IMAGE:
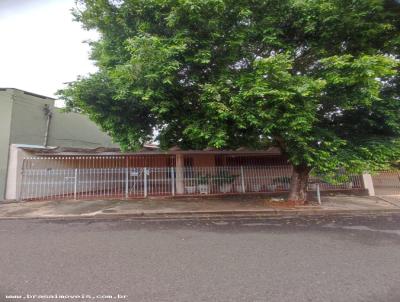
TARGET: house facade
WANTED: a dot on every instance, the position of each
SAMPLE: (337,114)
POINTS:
(48,154)
(31,119)
(79,173)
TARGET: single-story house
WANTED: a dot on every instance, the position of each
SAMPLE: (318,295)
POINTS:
(85,173)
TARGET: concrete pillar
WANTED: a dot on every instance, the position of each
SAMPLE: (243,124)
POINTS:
(180,164)
(368,184)
(14,176)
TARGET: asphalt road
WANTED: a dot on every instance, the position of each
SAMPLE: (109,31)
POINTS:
(248,259)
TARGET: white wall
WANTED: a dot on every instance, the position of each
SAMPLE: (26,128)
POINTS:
(14,176)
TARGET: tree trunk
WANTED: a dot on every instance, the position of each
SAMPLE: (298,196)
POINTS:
(298,185)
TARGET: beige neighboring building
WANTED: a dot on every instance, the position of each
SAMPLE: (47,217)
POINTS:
(31,119)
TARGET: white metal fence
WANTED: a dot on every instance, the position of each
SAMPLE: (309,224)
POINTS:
(387,182)
(131,182)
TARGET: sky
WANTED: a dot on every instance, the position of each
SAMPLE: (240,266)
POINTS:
(41,47)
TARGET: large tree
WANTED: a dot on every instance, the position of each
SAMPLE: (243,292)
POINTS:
(318,78)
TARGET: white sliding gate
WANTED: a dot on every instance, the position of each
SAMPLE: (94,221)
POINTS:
(96,183)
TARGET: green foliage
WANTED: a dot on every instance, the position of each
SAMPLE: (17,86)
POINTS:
(319,78)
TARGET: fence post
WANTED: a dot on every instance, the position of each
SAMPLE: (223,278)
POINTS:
(172,181)
(126,182)
(21,182)
(20,187)
(242,177)
(368,184)
(75,183)
(180,174)
(318,194)
(145,181)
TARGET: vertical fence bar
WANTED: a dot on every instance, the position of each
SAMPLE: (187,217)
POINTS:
(87,177)
(22,181)
(318,194)
(173,181)
(75,182)
(40,181)
(149,181)
(126,182)
(34,178)
(63,183)
(145,182)
(242,178)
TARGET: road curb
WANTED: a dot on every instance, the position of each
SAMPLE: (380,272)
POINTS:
(212,214)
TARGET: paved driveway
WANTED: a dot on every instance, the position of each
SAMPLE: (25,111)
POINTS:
(283,259)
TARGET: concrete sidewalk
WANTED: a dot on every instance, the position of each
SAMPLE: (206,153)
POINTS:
(245,205)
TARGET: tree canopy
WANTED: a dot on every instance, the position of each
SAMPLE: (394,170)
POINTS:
(319,78)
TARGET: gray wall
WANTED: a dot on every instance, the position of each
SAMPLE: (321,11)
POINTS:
(76,130)
(22,121)
(5,125)
(28,123)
